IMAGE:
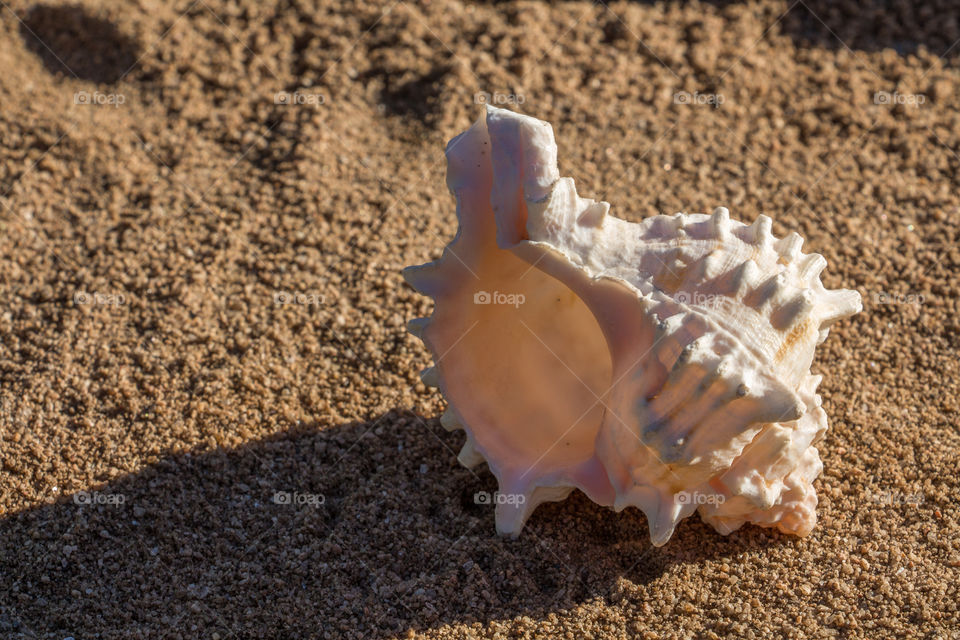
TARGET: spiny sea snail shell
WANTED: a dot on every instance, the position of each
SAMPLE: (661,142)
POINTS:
(663,364)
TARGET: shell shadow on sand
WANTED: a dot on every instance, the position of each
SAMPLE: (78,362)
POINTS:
(373,521)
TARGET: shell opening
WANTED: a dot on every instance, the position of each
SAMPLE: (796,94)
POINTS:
(529,373)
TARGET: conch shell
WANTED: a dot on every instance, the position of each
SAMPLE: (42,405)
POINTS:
(663,365)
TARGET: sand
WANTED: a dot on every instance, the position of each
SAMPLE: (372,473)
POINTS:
(211,423)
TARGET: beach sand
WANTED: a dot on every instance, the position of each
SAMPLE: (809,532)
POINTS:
(211,420)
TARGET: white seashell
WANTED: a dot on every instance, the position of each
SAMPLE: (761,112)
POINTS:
(662,365)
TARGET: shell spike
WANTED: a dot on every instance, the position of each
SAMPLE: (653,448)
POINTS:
(449,420)
(664,520)
(840,304)
(759,233)
(789,246)
(430,377)
(426,279)
(811,266)
(469,456)
(744,278)
(514,506)
(720,223)
(417,326)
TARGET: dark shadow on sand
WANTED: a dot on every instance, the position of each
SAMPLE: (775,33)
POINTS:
(74,43)
(860,25)
(414,97)
(874,25)
(201,544)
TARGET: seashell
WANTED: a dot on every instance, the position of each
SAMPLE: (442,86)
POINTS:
(663,365)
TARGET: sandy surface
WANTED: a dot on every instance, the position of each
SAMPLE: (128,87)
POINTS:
(159,211)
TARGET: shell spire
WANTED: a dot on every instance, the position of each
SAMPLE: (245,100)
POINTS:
(662,365)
